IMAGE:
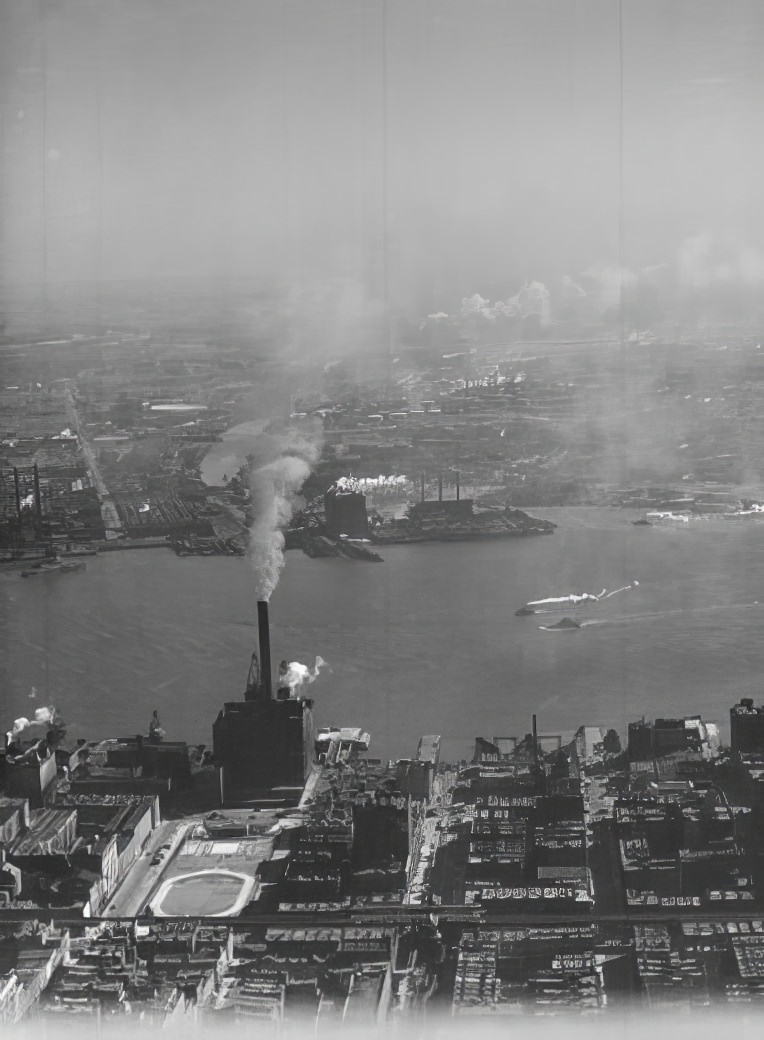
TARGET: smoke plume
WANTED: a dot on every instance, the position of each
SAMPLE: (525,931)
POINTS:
(299,675)
(274,487)
(707,260)
(45,720)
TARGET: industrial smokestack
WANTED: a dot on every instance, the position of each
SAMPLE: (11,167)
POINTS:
(457,485)
(18,491)
(535,743)
(440,486)
(263,630)
(422,486)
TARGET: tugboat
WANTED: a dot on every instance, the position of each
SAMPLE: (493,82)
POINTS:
(543,606)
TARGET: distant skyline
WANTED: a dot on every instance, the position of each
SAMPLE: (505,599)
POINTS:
(475,141)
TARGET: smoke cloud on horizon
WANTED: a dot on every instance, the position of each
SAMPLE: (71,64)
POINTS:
(310,145)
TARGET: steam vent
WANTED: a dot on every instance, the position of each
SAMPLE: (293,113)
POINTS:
(345,506)
(264,747)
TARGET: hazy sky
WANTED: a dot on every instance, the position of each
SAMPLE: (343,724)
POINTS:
(145,138)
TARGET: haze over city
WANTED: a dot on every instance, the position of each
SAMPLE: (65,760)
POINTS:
(476,145)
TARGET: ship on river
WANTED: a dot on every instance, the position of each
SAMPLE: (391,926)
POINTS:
(553,604)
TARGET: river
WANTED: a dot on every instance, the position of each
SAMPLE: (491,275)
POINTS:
(425,642)
(223,459)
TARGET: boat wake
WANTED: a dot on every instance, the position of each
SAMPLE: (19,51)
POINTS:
(656,615)
(569,625)
(566,624)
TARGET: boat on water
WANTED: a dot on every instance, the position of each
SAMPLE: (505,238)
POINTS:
(554,603)
(566,603)
(54,567)
(667,517)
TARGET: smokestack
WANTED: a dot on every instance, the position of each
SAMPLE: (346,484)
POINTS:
(263,630)
(18,491)
(457,485)
(37,497)
(535,743)
(421,481)
(440,486)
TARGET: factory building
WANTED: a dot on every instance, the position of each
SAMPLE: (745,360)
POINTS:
(345,506)
(652,740)
(264,748)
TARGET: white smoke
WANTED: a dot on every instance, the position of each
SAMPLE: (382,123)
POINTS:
(274,487)
(532,298)
(299,675)
(705,260)
(474,305)
(36,728)
(393,480)
(329,318)
(611,280)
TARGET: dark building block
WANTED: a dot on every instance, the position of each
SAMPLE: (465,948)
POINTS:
(746,727)
(346,514)
(640,744)
(261,744)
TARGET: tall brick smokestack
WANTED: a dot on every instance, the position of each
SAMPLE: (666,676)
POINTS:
(263,628)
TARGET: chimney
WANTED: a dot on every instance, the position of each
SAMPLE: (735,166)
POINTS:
(421,481)
(263,627)
(457,485)
(440,486)
(535,743)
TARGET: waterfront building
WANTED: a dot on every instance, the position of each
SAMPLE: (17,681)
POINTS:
(746,728)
